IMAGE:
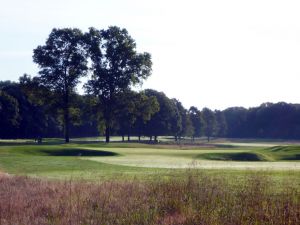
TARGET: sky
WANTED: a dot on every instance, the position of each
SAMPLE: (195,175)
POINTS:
(214,53)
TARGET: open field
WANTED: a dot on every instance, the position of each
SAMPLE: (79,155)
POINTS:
(87,159)
(88,182)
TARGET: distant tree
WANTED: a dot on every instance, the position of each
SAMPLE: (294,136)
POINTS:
(31,120)
(197,121)
(116,66)
(146,108)
(134,110)
(40,101)
(210,123)
(221,130)
(9,114)
(187,125)
(126,112)
(177,119)
(236,119)
(161,122)
(182,121)
(62,61)
(84,116)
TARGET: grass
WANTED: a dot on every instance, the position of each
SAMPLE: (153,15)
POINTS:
(99,161)
(88,182)
(195,199)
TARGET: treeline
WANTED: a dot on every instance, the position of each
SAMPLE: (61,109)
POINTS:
(48,105)
(27,111)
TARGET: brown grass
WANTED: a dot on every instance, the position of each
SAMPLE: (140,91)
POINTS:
(198,199)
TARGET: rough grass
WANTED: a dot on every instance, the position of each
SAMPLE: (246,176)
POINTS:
(196,199)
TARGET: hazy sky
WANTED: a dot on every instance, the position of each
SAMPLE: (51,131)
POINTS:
(212,53)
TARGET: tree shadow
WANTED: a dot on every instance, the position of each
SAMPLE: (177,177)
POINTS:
(240,156)
(78,152)
(292,157)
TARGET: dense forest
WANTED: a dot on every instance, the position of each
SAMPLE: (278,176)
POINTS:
(48,104)
(29,112)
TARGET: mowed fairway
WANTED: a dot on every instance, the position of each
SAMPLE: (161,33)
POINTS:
(197,158)
(90,160)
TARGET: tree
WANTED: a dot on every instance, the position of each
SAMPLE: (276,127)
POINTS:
(187,125)
(221,124)
(161,122)
(116,66)
(134,110)
(146,107)
(236,118)
(177,120)
(181,121)
(210,123)
(9,113)
(62,61)
(197,121)
(126,115)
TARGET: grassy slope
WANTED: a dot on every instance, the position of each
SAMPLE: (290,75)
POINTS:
(127,160)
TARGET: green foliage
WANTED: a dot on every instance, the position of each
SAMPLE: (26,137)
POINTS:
(116,66)
(161,122)
(210,122)
(9,112)
(135,109)
(221,128)
(62,61)
(197,121)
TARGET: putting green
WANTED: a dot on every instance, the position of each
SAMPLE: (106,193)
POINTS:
(90,160)
(175,158)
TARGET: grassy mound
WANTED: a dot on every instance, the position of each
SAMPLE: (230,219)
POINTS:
(58,150)
(290,153)
(230,156)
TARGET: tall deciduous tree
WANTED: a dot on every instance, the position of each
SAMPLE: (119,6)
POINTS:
(9,113)
(146,107)
(210,123)
(221,123)
(161,123)
(116,66)
(197,121)
(134,110)
(62,61)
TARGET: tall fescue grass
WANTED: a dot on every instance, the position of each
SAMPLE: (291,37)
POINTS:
(197,199)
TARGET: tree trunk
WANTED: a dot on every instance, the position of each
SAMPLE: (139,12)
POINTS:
(176,139)
(208,138)
(107,114)
(107,134)
(123,138)
(150,138)
(66,117)
(139,138)
(155,138)
(128,136)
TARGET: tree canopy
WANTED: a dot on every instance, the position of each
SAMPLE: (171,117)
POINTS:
(62,61)
(116,66)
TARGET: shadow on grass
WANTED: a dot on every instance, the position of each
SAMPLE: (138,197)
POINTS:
(241,156)
(292,157)
(77,152)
